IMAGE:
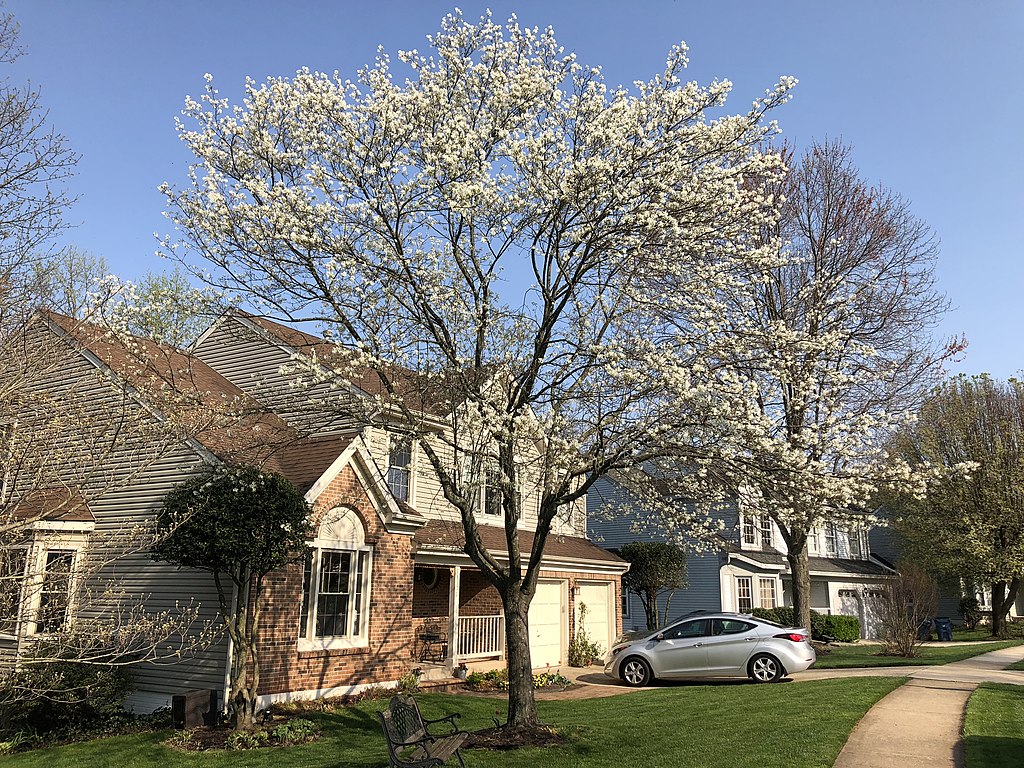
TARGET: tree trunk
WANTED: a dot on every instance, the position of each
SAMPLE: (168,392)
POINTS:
(522,705)
(651,610)
(796,543)
(1003,597)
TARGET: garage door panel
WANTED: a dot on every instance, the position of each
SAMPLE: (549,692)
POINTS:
(600,618)
(546,623)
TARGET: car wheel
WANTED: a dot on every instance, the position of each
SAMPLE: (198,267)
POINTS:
(636,672)
(765,669)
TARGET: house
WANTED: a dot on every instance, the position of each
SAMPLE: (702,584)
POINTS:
(746,567)
(886,543)
(387,586)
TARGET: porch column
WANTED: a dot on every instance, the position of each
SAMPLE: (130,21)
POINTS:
(453,615)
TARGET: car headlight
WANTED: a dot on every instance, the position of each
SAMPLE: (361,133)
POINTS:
(617,649)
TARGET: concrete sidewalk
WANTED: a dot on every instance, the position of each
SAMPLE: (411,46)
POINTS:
(920,724)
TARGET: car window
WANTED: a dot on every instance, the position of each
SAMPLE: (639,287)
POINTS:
(731,626)
(693,628)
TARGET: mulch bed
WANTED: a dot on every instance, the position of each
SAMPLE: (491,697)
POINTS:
(503,738)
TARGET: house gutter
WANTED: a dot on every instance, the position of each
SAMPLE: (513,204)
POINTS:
(230,654)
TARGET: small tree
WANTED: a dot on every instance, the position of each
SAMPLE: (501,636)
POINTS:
(655,568)
(969,524)
(908,601)
(240,524)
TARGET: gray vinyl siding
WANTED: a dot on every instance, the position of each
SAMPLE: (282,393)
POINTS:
(124,479)
(614,520)
(257,366)
(165,587)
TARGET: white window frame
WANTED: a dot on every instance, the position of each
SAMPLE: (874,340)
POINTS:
(831,541)
(7,432)
(625,604)
(340,532)
(749,531)
(393,440)
(767,534)
(742,581)
(20,582)
(40,584)
(773,593)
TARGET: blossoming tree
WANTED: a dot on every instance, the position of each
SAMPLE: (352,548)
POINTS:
(479,233)
(828,353)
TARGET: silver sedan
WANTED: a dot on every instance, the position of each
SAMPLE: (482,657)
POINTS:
(712,645)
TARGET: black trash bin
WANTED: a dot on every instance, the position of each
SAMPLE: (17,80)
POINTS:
(944,628)
(924,631)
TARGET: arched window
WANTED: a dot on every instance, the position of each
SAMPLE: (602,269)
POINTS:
(336,585)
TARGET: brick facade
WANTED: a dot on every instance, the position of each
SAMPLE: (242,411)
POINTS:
(285,668)
(396,612)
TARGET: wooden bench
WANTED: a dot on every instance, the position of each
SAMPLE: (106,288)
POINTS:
(410,741)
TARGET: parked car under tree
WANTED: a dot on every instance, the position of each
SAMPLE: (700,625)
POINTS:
(712,645)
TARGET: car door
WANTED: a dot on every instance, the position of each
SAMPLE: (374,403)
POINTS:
(730,645)
(680,651)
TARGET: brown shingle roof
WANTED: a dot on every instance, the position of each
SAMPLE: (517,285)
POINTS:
(446,535)
(206,406)
(63,505)
(432,394)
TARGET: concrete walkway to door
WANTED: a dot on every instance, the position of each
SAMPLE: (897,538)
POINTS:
(920,724)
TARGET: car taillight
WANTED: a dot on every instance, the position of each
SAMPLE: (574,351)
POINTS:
(796,637)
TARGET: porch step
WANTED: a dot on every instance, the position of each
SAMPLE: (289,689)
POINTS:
(440,686)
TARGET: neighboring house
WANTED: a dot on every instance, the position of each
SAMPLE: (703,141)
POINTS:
(886,543)
(387,587)
(746,567)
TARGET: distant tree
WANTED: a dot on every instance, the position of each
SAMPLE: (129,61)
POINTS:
(163,306)
(969,524)
(240,524)
(827,353)
(655,568)
(35,162)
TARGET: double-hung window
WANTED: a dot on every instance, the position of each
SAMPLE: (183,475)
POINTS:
(400,468)
(55,591)
(749,531)
(766,532)
(744,595)
(336,585)
(766,588)
(12,583)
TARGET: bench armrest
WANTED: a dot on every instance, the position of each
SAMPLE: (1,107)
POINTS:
(449,719)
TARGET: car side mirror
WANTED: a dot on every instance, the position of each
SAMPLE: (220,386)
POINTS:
(659,637)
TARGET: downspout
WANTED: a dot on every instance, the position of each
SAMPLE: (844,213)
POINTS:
(230,654)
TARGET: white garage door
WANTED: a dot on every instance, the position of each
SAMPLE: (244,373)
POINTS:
(547,620)
(599,621)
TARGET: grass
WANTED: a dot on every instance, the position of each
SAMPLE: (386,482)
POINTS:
(846,656)
(737,725)
(994,727)
(1018,666)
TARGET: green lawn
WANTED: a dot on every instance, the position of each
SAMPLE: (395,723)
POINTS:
(1018,665)
(789,725)
(994,727)
(845,656)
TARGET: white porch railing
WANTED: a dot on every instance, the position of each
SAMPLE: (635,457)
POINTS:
(480,636)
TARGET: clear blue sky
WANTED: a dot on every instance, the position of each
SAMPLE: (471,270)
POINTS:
(928,92)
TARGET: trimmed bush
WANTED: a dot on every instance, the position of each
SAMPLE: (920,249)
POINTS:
(845,629)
